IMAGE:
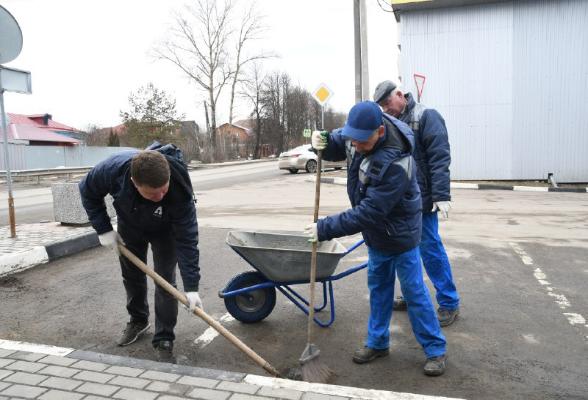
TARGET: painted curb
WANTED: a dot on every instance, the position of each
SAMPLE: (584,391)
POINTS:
(264,381)
(17,262)
(479,186)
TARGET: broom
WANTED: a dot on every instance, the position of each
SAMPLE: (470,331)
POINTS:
(313,370)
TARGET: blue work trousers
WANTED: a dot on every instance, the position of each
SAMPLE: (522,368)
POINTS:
(436,263)
(382,270)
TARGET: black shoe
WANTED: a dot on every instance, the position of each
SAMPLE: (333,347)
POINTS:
(367,354)
(435,366)
(165,351)
(399,304)
(132,332)
(447,317)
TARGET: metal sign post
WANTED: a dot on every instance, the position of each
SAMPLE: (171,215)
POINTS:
(322,94)
(11,80)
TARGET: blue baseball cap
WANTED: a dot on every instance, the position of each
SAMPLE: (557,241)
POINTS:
(363,119)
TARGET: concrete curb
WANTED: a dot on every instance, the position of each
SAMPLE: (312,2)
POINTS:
(479,186)
(16,262)
(277,387)
(229,163)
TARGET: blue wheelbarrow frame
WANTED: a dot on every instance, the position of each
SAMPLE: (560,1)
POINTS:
(285,288)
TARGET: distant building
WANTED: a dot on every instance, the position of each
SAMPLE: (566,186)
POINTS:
(40,130)
(510,79)
(234,140)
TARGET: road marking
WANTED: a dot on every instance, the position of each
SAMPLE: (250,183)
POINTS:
(561,300)
(210,334)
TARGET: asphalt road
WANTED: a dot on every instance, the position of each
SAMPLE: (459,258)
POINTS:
(519,260)
(33,203)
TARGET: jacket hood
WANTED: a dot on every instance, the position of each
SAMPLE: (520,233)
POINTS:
(399,135)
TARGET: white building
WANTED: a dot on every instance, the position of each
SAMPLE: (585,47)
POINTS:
(510,79)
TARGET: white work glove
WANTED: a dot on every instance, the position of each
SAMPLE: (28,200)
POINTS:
(443,206)
(312,232)
(193,300)
(319,140)
(110,239)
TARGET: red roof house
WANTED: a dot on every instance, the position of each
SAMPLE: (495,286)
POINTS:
(39,130)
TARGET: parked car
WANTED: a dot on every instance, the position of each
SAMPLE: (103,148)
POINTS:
(302,157)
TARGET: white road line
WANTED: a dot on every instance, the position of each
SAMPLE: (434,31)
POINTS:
(560,299)
(210,334)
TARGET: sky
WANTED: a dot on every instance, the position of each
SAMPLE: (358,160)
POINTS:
(87,56)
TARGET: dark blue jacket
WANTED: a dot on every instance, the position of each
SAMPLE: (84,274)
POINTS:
(386,207)
(178,217)
(432,153)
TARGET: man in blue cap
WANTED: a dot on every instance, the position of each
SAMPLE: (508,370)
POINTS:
(433,158)
(386,209)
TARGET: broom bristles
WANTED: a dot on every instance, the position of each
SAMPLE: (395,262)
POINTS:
(316,371)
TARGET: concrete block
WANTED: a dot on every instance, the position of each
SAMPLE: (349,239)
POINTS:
(90,366)
(243,396)
(160,376)
(23,391)
(25,378)
(98,389)
(55,360)
(127,381)
(126,371)
(4,373)
(93,376)
(60,395)
(195,381)
(5,361)
(166,397)
(238,387)
(6,353)
(209,394)
(25,366)
(134,394)
(61,383)
(280,393)
(173,388)
(56,370)
(26,356)
(318,396)
(67,204)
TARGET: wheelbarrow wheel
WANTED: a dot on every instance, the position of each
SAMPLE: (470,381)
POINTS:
(252,306)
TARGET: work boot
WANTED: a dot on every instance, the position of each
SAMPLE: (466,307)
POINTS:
(132,332)
(367,354)
(399,304)
(435,366)
(164,350)
(447,317)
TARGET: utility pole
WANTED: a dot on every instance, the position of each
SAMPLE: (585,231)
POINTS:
(362,85)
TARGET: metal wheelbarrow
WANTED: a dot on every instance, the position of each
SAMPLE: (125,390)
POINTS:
(280,261)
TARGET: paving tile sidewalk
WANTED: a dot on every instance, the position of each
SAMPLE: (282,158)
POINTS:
(39,243)
(54,373)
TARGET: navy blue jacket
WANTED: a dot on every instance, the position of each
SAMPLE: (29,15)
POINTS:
(387,207)
(432,153)
(178,217)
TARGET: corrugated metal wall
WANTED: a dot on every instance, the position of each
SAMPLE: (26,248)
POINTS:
(510,79)
(42,157)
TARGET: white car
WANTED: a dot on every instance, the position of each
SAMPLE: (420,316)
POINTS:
(302,157)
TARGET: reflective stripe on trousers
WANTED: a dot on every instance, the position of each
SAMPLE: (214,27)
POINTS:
(436,263)
(382,270)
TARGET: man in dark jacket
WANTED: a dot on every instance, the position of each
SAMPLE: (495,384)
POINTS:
(433,158)
(154,204)
(386,209)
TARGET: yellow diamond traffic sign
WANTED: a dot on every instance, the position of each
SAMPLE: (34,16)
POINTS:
(322,94)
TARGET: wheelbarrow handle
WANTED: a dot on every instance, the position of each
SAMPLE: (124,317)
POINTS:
(198,311)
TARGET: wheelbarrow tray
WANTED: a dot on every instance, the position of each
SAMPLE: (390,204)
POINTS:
(283,257)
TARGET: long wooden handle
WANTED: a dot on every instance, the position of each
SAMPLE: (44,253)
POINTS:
(317,197)
(199,312)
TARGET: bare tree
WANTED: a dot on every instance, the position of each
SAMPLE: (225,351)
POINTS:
(254,93)
(252,28)
(198,47)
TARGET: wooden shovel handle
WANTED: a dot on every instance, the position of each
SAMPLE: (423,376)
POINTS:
(198,311)
(313,256)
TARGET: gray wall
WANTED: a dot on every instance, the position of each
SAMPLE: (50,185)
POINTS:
(43,157)
(510,79)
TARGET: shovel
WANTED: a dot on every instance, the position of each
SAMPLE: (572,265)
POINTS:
(198,311)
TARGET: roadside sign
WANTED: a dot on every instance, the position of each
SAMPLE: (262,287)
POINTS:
(306,133)
(322,94)
(419,81)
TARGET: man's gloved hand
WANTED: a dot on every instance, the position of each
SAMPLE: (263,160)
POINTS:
(319,140)
(312,232)
(443,206)
(110,239)
(194,300)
